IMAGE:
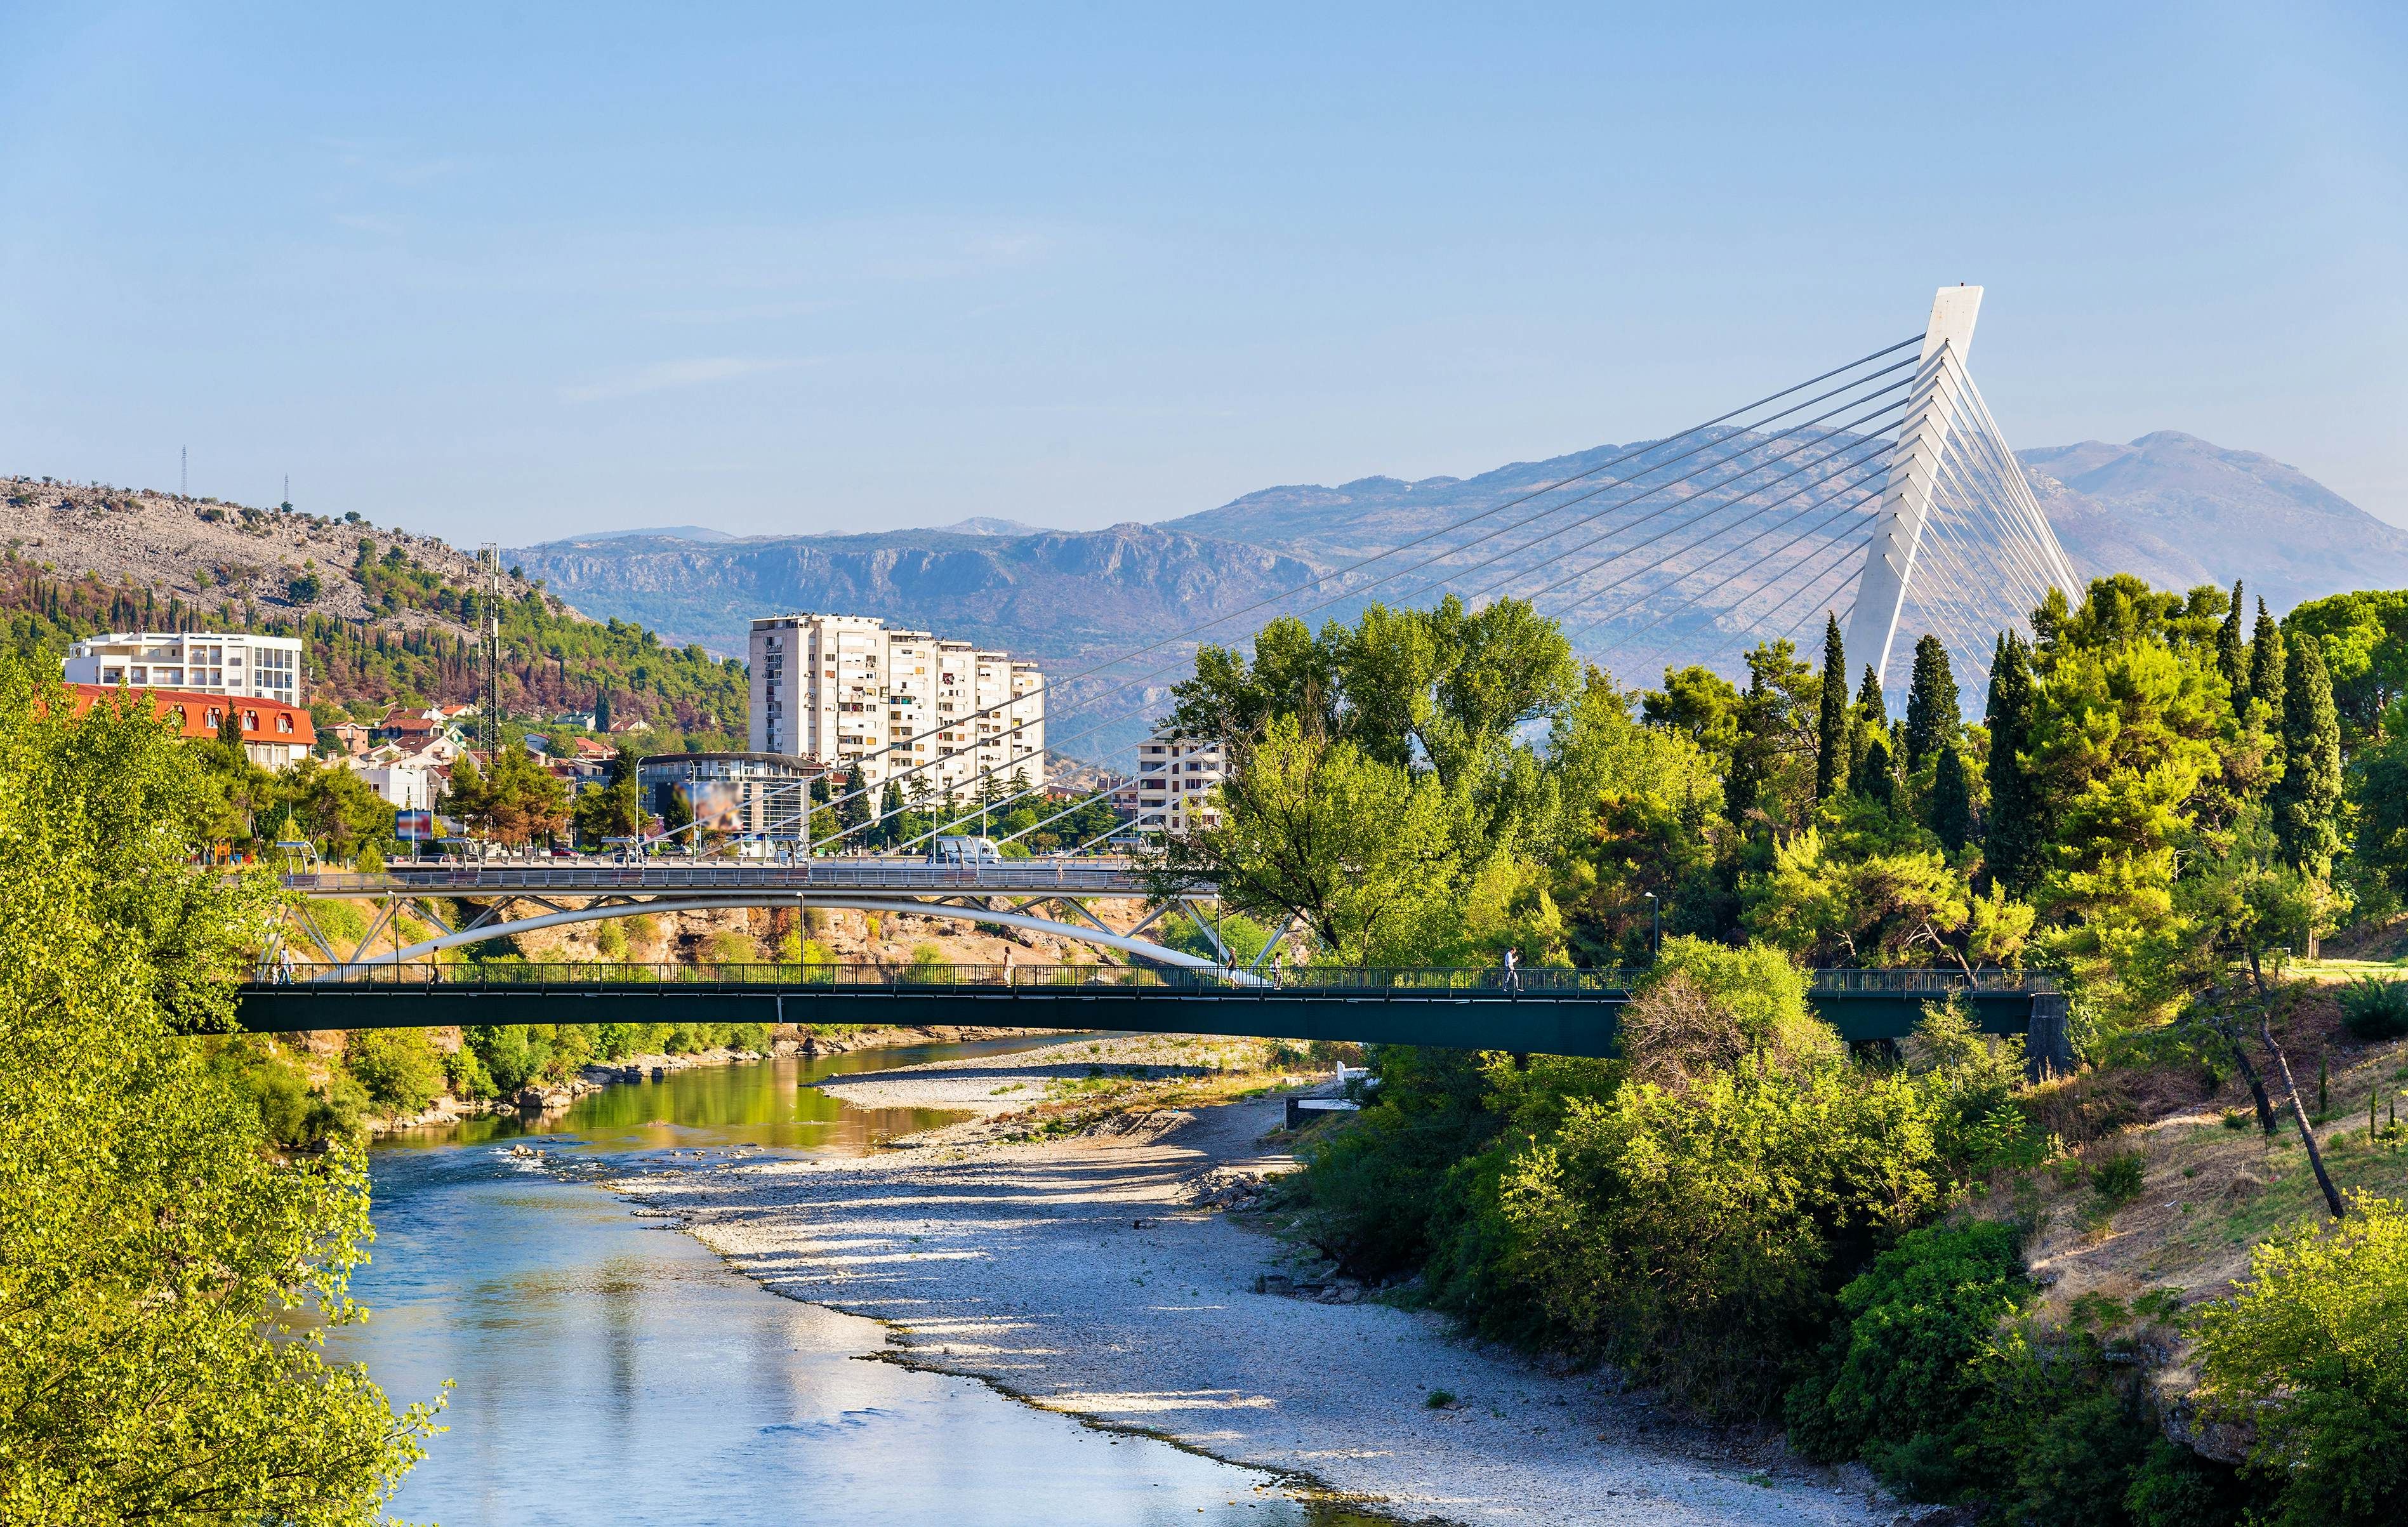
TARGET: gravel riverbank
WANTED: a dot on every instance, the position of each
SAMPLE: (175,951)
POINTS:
(1088,1274)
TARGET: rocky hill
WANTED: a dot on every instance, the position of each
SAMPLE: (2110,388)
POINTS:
(385,615)
(212,556)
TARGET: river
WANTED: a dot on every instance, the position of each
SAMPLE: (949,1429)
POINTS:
(610,1370)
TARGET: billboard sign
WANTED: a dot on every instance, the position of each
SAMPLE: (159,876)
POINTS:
(717,805)
(414,827)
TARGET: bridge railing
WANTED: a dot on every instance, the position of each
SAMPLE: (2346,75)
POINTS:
(1321,979)
(1844,979)
(833,874)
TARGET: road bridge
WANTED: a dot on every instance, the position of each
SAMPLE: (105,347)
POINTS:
(1555,1012)
(506,899)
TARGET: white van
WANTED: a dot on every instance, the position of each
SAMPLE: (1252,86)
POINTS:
(966,850)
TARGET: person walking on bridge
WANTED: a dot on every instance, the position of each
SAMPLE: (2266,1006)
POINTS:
(1512,969)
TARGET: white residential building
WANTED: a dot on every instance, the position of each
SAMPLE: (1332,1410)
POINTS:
(196,662)
(1172,790)
(843,690)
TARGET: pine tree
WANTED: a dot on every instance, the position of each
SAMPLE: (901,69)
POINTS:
(2307,798)
(1831,740)
(2266,664)
(1952,799)
(890,813)
(2231,657)
(2012,845)
(1931,704)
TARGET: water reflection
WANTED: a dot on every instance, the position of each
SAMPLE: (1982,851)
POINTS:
(611,1371)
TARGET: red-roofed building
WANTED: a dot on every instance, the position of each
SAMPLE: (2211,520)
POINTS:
(274,735)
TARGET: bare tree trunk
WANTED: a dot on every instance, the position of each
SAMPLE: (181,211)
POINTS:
(2249,1074)
(2307,1136)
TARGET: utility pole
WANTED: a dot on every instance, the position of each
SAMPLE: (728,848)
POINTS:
(183,471)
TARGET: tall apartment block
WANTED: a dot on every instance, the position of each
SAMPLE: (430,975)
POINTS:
(197,661)
(1172,790)
(844,692)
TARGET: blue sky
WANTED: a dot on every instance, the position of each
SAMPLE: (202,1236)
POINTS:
(785,269)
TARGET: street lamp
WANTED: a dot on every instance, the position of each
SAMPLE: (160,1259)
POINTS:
(1656,929)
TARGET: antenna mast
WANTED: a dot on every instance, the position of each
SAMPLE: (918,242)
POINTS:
(491,638)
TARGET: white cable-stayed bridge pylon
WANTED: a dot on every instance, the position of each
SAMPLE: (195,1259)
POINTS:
(1743,528)
(1961,546)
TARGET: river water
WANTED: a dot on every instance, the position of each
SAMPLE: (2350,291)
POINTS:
(606,1370)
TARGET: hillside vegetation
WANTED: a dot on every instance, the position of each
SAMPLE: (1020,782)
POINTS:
(386,615)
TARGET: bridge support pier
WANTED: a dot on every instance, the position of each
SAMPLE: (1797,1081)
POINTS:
(2048,1044)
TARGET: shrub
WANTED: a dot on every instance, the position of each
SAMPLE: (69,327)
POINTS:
(610,940)
(2310,1350)
(727,947)
(2118,1179)
(1371,1196)
(514,1055)
(2374,1007)
(399,1068)
(1918,1342)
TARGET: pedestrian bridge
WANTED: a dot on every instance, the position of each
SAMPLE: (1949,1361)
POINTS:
(1554,1012)
(1093,876)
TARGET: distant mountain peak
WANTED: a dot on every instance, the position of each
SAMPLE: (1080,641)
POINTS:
(987,525)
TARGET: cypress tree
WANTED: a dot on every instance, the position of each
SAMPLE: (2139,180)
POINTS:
(2011,847)
(2266,664)
(2231,657)
(1952,799)
(1879,781)
(1931,704)
(1831,740)
(2307,798)
(1870,719)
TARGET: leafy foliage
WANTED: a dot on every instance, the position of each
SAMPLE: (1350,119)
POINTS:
(153,1241)
(2314,1351)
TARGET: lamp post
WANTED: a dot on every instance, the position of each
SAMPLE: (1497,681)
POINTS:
(1655,927)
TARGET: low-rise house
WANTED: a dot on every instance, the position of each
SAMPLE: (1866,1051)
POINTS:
(275,736)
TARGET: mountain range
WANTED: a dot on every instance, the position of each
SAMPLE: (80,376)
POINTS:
(2173,508)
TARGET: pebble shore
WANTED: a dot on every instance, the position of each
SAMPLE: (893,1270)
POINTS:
(1100,1277)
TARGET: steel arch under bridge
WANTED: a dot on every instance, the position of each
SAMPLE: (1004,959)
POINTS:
(963,893)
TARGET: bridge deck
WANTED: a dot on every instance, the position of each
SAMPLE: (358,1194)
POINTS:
(1015,876)
(1562,1012)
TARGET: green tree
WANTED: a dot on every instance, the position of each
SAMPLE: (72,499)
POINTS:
(1831,734)
(1362,852)
(2307,797)
(519,802)
(1877,775)
(2012,842)
(614,807)
(2308,1354)
(1932,715)
(400,1068)
(1951,813)
(2378,790)
(2266,664)
(1701,703)
(2231,653)
(166,1273)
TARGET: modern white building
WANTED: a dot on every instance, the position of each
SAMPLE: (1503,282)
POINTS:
(1172,790)
(196,662)
(844,692)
